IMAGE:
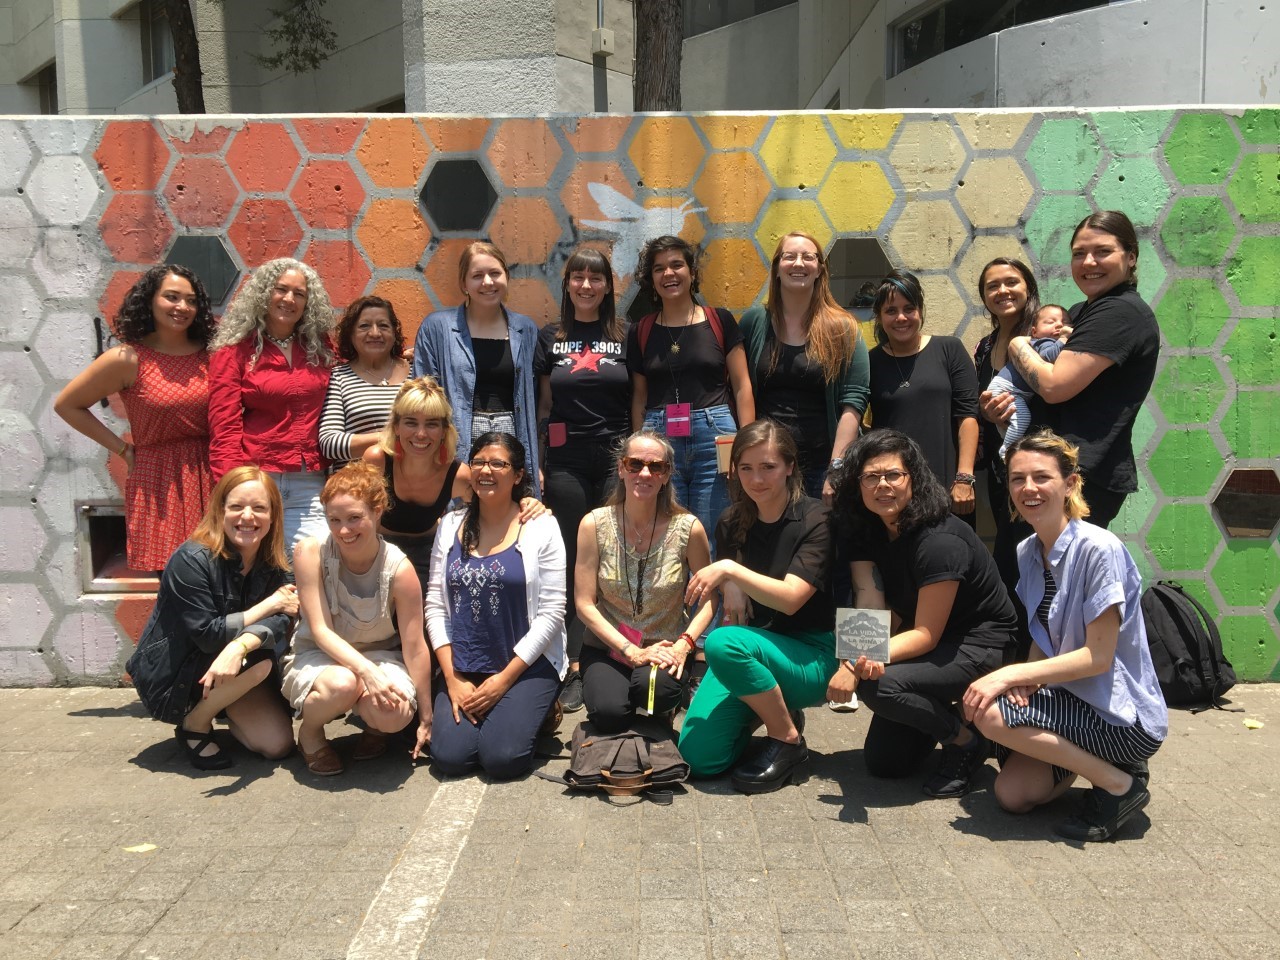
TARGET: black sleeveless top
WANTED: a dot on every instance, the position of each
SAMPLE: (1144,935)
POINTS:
(407,518)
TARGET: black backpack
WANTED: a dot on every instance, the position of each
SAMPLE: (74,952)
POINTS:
(1186,648)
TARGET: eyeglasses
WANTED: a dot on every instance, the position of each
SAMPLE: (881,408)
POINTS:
(493,464)
(892,477)
(790,257)
(658,468)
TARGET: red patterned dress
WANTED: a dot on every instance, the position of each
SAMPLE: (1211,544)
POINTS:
(166,493)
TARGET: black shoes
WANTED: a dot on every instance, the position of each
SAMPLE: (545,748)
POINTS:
(776,765)
(571,692)
(957,767)
(1102,814)
(193,743)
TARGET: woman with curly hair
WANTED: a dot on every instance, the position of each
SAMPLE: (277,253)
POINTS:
(808,365)
(161,371)
(267,381)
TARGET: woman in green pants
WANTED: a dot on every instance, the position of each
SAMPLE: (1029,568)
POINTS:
(776,653)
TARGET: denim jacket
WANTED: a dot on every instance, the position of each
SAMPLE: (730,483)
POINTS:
(443,350)
(199,610)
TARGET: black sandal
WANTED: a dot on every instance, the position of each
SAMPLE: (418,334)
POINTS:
(193,742)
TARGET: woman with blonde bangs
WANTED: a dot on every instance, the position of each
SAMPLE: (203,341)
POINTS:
(223,609)
(360,647)
(808,365)
(268,376)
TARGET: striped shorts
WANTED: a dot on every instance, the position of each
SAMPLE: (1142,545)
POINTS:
(1062,712)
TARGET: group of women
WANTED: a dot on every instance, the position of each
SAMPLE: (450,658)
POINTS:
(616,428)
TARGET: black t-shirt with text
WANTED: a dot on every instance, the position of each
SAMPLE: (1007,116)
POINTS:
(590,384)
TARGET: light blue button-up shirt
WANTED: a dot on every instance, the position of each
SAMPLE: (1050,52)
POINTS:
(1093,571)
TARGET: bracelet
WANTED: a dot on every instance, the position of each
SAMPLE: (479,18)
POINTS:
(693,644)
(124,445)
(968,478)
(848,666)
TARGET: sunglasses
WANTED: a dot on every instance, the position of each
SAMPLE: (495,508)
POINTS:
(891,477)
(658,468)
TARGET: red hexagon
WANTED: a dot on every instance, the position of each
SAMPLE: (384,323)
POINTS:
(132,156)
(202,142)
(330,134)
(342,269)
(328,195)
(262,157)
(263,230)
(132,614)
(200,193)
(135,228)
(113,296)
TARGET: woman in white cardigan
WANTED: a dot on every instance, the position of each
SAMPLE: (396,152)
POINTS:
(495,618)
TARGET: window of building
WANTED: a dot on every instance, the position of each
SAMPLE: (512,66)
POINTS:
(46,82)
(157,40)
(954,23)
(701,16)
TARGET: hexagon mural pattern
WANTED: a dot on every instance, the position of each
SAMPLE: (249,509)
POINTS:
(386,203)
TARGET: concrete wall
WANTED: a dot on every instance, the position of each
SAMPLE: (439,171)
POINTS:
(749,65)
(87,203)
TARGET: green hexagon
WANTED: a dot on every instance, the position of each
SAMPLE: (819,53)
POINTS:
(1144,427)
(1201,148)
(1251,645)
(1254,271)
(1247,572)
(1197,231)
(1252,424)
(1183,537)
(1064,154)
(1255,188)
(1133,515)
(1189,389)
(1127,132)
(1151,270)
(1186,463)
(1050,225)
(1192,313)
(1261,125)
(1141,559)
(1252,351)
(1134,185)
(1058,287)
(1200,590)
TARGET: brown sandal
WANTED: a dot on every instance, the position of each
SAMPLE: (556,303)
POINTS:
(325,762)
(370,746)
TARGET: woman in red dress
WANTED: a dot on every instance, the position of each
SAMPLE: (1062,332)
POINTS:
(160,369)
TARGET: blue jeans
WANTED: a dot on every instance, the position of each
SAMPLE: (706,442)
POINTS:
(696,481)
(303,512)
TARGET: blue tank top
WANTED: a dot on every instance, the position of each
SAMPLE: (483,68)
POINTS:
(490,611)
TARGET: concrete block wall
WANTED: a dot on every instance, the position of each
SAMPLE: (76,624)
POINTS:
(85,204)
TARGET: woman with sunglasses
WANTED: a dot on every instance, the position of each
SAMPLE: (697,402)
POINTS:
(776,653)
(952,620)
(635,555)
(495,618)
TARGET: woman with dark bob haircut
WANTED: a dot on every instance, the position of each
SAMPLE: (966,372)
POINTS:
(362,387)
(161,371)
(952,620)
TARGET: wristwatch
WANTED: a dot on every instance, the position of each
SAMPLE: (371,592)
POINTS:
(836,463)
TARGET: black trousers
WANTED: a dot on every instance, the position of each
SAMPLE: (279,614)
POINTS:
(612,691)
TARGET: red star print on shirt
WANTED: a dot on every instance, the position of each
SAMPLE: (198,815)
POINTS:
(588,359)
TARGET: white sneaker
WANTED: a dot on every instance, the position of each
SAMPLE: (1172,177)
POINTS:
(849,707)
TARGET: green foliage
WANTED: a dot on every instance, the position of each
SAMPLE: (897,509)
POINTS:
(303,37)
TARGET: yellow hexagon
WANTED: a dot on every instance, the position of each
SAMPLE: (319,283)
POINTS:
(865,131)
(928,235)
(798,150)
(785,216)
(732,187)
(666,152)
(732,131)
(733,273)
(992,131)
(927,156)
(856,196)
(995,192)
(982,251)
(944,307)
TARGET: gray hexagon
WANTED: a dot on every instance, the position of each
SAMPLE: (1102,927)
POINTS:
(66,342)
(25,668)
(18,233)
(457,196)
(19,310)
(21,526)
(24,616)
(207,256)
(61,136)
(63,190)
(20,384)
(15,155)
(1248,505)
(67,263)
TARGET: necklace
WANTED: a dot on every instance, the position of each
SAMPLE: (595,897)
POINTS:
(636,597)
(904,380)
(281,342)
(371,375)
(675,339)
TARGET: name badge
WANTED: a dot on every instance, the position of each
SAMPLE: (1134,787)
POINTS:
(679,420)
(631,635)
(557,434)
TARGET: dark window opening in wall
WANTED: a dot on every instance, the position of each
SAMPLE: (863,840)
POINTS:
(157,40)
(47,83)
(103,567)
(834,102)
(395,105)
(954,23)
(701,16)
(1249,503)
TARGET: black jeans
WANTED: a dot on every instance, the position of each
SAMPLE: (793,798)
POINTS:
(913,705)
(577,478)
(612,691)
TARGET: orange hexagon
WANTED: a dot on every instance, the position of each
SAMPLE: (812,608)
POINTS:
(732,131)
(113,296)
(533,298)
(441,271)
(200,193)
(393,233)
(135,228)
(342,269)
(576,193)
(666,152)
(524,152)
(263,230)
(200,141)
(327,194)
(411,300)
(596,134)
(132,156)
(394,151)
(263,157)
(733,273)
(525,229)
(329,134)
(732,187)
(456,135)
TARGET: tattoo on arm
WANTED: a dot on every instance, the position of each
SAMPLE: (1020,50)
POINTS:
(1024,358)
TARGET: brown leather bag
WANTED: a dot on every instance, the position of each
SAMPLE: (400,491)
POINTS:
(641,760)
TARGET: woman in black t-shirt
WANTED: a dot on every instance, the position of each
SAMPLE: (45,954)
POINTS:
(777,654)
(952,619)
(688,374)
(584,405)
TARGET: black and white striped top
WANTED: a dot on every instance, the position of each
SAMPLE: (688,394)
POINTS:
(1042,611)
(352,406)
